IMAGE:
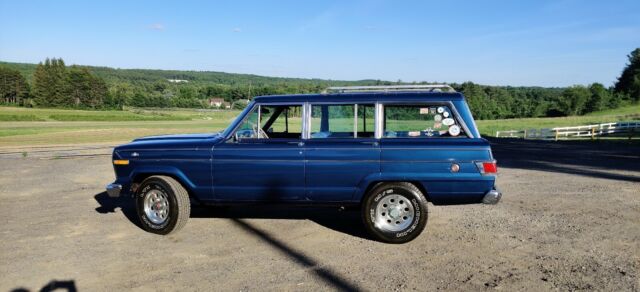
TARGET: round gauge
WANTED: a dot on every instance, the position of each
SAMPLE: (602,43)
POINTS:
(440,110)
(448,122)
(445,114)
(437,118)
(454,130)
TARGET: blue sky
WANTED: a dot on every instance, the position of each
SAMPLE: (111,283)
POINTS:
(543,43)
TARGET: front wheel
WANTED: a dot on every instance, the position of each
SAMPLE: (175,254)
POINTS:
(395,212)
(162,204)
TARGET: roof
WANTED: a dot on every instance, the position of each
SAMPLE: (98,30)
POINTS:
(364,96)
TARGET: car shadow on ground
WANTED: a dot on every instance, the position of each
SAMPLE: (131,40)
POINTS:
(598,159)
(347,221)
(325,274)
(342,221)
(109,205)
(54,285)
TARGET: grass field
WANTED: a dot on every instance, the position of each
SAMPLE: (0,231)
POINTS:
(31,127)
(629,113)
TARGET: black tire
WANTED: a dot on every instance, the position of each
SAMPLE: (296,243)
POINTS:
(383,191)
(178,204)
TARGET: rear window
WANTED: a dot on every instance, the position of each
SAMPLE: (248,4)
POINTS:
(420,121)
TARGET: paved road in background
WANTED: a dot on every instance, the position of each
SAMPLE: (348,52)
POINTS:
(568,220)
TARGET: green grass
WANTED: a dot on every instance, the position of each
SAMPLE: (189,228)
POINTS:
(628,113)
(632,110)
(19,117)
(24,126)
(115,117)
(132,114)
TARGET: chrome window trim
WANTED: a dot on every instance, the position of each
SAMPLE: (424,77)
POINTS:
(355,121)
(306,118)
(379,110)
(447,103)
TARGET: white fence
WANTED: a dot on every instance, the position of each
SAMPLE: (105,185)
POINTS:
(589,131)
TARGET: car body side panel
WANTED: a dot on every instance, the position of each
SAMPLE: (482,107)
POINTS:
(429,161)
(335,167)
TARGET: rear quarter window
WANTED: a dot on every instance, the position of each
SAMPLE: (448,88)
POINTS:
(421,121)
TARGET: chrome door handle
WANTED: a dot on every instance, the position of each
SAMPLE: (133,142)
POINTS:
(300,144)
(370,143)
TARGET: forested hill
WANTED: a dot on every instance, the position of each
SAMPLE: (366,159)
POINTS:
(114,75)
(54,84)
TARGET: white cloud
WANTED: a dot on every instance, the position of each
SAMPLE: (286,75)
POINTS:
(157,26)
(236,29)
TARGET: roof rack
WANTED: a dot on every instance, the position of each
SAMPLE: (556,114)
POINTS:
(391,88)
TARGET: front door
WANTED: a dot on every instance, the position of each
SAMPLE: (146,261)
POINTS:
(264,159)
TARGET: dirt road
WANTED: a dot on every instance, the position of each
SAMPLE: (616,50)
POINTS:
(569,220)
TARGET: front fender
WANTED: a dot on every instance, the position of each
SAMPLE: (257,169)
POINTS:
(162,170)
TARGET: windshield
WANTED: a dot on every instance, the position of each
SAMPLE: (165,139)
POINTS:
(233,124)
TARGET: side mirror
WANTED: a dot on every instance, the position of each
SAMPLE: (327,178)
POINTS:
(270,130)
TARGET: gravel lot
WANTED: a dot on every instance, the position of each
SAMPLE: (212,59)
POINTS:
(569,220)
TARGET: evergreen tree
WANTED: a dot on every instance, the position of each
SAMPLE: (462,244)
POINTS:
(629,81)
(50,84)
(84,89)
(13,86)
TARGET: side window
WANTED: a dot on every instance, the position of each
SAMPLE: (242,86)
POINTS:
(424,121)
(366,125)
(272,122)
(248,129)
(342,121)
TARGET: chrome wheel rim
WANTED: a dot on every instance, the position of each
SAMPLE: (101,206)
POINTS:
(156,206)
(394,213)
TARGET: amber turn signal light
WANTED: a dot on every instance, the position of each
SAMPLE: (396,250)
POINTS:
(121,162)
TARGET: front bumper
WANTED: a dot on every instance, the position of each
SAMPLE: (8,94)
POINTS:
(114,190)
(492,197)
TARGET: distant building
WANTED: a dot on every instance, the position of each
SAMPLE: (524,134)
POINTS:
(178,80)
(218,102)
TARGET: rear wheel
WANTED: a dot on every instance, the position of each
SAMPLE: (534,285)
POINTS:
(395,212)
(162,204)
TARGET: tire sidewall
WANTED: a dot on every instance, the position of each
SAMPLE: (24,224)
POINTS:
(159,185)
(419,205)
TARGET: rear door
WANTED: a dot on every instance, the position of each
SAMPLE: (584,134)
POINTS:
(341,150)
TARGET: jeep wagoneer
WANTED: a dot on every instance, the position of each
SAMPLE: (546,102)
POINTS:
(387,150)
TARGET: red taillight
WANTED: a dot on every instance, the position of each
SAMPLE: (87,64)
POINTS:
(490,167)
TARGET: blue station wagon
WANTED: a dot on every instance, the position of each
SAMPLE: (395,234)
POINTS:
(387,150)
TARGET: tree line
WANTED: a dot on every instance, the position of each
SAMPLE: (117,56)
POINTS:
(53,84)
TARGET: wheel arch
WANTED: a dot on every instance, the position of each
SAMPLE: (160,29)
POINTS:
(368,185)
(140,174)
